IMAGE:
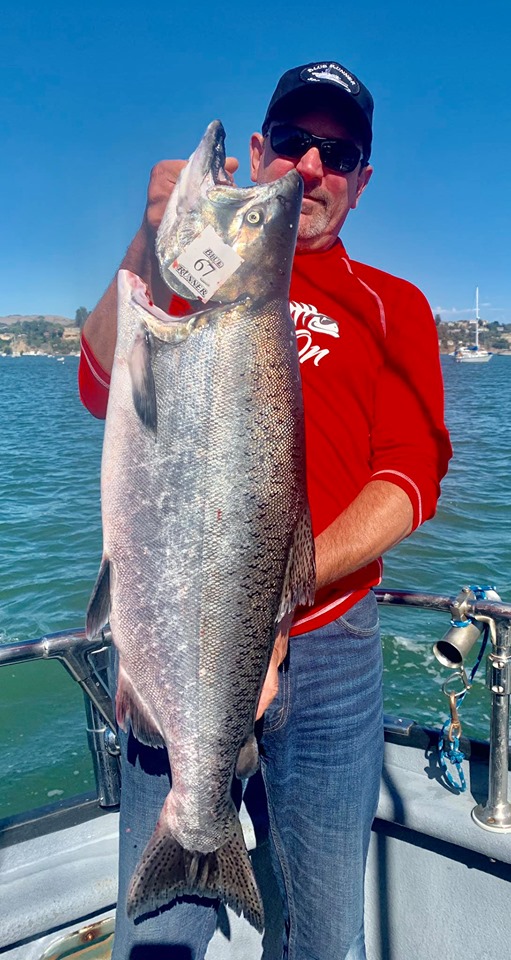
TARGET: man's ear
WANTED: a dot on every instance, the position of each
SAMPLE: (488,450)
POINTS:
(256,154)
(363,179)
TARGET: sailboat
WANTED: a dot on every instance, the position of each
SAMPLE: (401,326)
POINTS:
(475,353)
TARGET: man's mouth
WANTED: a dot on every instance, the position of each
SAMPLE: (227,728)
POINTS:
(309,203)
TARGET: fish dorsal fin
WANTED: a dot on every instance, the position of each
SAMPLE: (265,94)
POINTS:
(300,579)
(98,609)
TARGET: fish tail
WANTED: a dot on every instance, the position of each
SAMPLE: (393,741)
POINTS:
(167,870)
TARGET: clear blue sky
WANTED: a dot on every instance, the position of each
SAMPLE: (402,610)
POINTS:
(92,94)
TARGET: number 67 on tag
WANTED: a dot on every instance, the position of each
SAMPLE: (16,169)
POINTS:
(205,264)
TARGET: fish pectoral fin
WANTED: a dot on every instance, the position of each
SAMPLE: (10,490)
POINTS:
(300,579)
(167,871)
(248,758)
(142,380)
(98,610)
(129,706)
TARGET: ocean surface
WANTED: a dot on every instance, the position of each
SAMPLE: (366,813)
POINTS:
(50,548)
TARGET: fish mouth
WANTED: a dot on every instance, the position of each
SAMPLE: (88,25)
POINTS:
(205,169)
(213,144)
(284,191)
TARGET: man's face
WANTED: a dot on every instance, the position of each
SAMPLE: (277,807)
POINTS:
(328,196)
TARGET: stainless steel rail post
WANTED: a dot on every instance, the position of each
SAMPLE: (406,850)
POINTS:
(495,814)
(102,741)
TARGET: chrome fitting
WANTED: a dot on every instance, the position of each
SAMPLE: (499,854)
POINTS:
(498,674)
(111,743)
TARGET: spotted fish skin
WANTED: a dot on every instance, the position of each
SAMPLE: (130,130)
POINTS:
(206,527)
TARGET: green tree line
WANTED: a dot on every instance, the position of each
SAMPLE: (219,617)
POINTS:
(42,335)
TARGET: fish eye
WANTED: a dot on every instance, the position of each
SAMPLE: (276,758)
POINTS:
(253,216)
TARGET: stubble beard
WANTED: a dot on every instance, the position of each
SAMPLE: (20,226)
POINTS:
(314,223)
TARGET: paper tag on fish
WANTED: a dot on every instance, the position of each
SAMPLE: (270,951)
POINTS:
(205,264)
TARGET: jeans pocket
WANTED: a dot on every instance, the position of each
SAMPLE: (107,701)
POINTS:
(277,713)
(361,620)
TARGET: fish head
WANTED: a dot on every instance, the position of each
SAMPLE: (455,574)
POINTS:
(243,237)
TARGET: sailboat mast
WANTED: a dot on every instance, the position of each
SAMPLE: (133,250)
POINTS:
(477,318)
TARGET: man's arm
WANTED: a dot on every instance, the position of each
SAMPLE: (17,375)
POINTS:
(378,519)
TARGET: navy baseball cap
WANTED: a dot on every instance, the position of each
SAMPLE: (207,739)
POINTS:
(326,83)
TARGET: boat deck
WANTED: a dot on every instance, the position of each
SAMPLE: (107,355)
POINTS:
(430,870)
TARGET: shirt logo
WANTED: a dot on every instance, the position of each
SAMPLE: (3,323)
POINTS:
(308,323)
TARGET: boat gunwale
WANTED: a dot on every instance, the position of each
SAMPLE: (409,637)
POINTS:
(49,818)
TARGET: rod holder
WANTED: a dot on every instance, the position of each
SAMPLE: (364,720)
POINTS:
(462,634)
(457,643)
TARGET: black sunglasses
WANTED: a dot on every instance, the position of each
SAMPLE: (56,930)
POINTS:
(292,142)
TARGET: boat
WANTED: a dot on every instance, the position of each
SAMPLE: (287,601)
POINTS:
(439,867)
(473,353)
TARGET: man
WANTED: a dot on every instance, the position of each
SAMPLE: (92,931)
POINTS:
(377,449)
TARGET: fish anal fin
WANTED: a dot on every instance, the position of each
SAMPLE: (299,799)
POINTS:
(167,871)
(248,758)
(98,609)
(300,579)
(130,706)
(142,380)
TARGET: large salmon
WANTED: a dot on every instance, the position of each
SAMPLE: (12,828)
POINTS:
(207,537)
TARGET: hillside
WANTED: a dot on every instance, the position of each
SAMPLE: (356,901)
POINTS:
(42,334)
(21,318)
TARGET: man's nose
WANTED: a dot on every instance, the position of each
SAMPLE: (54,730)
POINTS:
(309,166)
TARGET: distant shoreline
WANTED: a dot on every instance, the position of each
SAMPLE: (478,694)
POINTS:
(76,353)
(29,353)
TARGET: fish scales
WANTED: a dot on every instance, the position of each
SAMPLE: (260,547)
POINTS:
(202,509)
(222,547)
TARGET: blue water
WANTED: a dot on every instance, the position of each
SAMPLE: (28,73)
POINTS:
(50,547)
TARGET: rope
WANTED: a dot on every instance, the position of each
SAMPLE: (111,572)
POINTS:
(455,756)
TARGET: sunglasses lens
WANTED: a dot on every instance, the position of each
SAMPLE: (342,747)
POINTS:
(340,155)
(290,141)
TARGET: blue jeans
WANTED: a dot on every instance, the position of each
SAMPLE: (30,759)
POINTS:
(321,752)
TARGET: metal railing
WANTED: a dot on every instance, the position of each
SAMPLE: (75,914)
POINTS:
(86,661)
(465,610)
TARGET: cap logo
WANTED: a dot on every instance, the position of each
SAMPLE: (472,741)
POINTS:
(331,73)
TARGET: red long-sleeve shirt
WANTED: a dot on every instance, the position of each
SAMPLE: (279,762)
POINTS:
(373,398)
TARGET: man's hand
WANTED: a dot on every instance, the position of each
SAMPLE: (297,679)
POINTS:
(161,184)
(271,681)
